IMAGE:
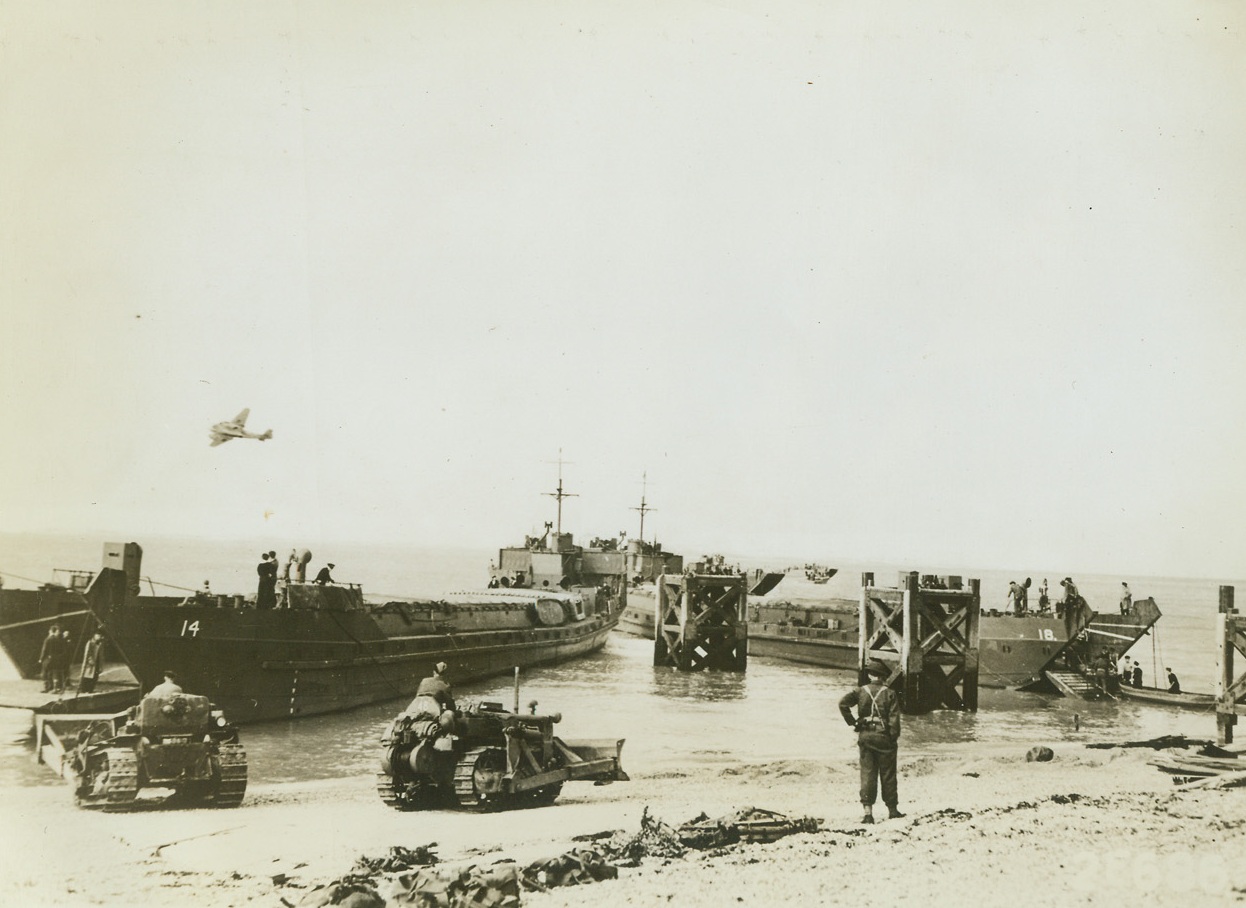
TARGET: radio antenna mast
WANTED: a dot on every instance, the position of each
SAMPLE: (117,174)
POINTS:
(644,508)
(560,494)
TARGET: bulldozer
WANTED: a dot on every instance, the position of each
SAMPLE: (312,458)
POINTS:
(172,741)
(485,758)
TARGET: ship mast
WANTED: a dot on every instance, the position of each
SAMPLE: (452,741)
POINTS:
(644,508)
(560,494)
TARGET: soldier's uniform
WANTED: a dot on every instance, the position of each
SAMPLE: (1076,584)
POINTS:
(878,731)
(50,658)
(433,696)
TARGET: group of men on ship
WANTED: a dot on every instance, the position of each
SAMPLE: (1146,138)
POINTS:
(275,594)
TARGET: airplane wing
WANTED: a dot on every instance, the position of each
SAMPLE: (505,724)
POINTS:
(219,439)
(241,418)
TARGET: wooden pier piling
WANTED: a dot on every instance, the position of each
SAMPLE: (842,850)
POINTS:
(928,634)
(1230,688)
(702,622)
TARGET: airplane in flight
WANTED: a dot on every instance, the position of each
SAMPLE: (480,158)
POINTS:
(235,428)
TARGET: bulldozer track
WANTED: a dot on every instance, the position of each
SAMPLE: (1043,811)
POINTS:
(121,789)
(233,783)
(465,789)
(388,792)
(407,796)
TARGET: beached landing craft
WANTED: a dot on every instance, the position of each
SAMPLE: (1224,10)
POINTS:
(1013,650)
(328,650)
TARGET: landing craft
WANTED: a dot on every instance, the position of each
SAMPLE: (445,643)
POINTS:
(235,428)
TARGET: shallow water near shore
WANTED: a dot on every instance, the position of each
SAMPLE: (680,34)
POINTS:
(774,713)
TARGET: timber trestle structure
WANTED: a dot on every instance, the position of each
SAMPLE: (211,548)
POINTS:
(1230,688)
(927,634)
(702,622)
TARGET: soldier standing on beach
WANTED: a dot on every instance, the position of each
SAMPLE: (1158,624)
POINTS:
(878,731)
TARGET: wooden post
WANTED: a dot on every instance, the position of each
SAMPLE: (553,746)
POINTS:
(929,633)
(702,622)
(971,645)
(910,656)
(1230,690)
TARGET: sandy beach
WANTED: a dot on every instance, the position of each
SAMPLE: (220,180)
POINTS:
(982,826)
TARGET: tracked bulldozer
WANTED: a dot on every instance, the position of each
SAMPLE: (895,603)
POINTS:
(176,742)
(485,758)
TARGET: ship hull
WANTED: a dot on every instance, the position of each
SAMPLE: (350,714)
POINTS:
(26,616)
(336,653)
(1012,651)
(638,616)
(1113,633)
(287,665)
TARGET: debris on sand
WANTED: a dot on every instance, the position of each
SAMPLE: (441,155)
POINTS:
(350,891)
(753,824)
(398,860)
(415,876)
(655,840)
(660,840)
(571,868)
(1161,743)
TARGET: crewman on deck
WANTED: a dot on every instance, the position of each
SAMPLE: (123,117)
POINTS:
(266,595)
(1137,675)
(878,731)
(1071,597)
(1127,599)
(1174,686)
(324,576)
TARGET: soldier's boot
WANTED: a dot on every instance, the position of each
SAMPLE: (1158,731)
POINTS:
(893,812)
(869,815)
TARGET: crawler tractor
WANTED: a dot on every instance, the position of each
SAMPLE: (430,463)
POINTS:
(485,758)
(172,741)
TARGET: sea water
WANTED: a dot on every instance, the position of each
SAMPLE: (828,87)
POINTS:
(775,712)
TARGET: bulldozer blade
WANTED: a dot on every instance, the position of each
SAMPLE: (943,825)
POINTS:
(595,751)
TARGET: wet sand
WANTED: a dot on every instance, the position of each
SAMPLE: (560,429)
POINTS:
(982,827)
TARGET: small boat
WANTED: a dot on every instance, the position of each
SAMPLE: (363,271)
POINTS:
(1168,698)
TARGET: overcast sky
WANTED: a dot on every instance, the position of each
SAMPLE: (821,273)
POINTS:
(934,282)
